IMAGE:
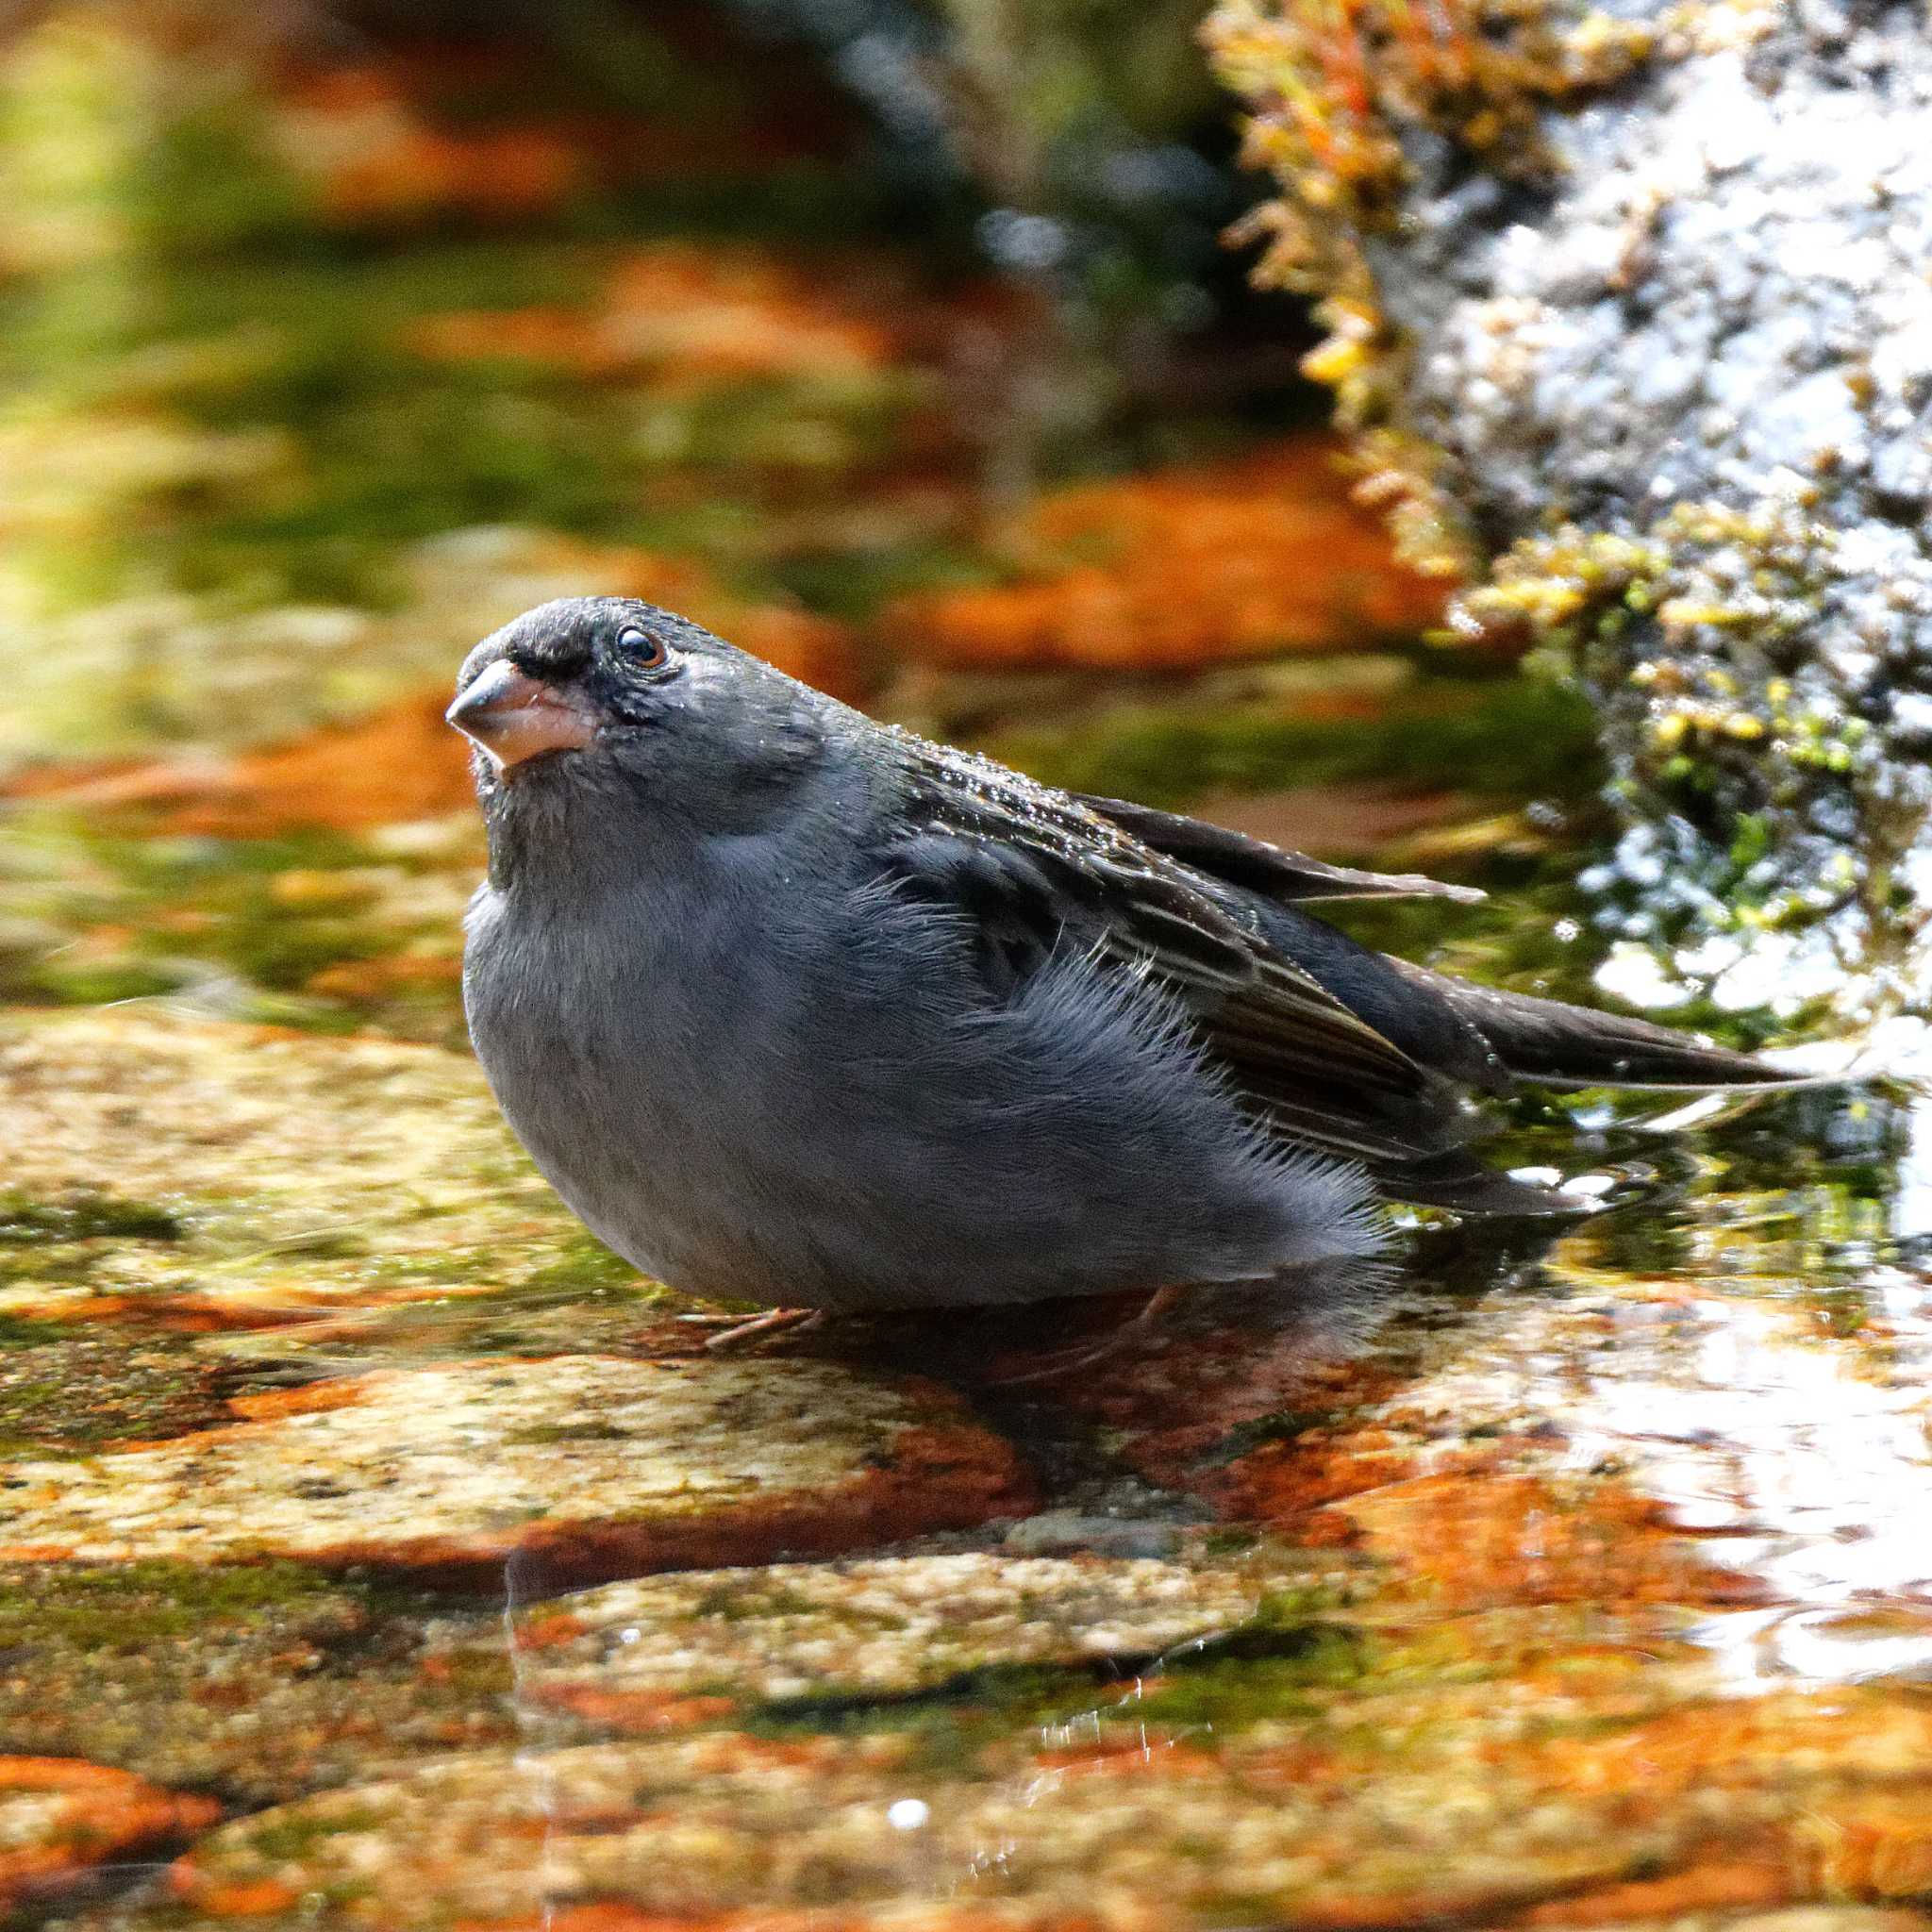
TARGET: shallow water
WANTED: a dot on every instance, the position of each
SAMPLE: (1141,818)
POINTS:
(379,1552)
(1588,1579)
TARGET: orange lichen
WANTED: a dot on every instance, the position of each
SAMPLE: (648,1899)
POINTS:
(1871,1843)
(258,1898)
(689,316)
(369,153)
(381,978)
(635,1713)
(422,127)
(81,1815)
(1331,84)
(1730,1881)
(403,762)
(938,1915)
(937,1469)
(399,137)
(1481,1541)
(1180,568)
(1145,1754)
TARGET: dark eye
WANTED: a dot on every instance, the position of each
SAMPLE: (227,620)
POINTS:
(643,648)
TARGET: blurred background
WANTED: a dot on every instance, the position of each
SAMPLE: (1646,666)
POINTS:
(917,345)
(898,340)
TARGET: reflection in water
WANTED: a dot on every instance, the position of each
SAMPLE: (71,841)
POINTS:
(1799,1451)
(1560,1523)
(1432,1591)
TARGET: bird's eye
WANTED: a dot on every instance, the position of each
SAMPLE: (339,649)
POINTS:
(644,649)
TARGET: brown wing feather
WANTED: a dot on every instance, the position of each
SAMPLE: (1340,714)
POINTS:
(1309,1068)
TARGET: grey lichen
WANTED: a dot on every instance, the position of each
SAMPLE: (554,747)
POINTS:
(1678,380)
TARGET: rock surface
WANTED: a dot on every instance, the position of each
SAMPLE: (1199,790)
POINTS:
(1313,1824)
(1665,353)
(1579,1588)
(877,1628)
(261,1174)
(61,1817)
(255,1683)
(546,1472)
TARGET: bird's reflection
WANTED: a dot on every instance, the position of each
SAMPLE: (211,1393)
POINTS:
(1217,1359)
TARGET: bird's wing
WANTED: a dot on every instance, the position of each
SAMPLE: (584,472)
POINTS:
(1032,868)
(1484,1035)
(1257,866)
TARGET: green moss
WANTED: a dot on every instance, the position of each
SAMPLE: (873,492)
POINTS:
(130,1605)
(584,1267)
(1332,90)
(1238,1689)
(1507,736)
(84,1217)
(569,1432)
(262,916)
(752,1599)
(99,984)
(25,1331)
(1231,1539)
(855,584)
(1686,633)
(77,1387)
(285,1840)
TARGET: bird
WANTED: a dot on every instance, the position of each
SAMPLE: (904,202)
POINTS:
(802,1011)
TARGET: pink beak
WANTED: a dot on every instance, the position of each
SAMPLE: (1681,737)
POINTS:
(511,716)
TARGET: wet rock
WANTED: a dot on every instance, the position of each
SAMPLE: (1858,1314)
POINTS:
(1131,1826)
(1590,1433)
(279,1174)
(729,1823)
(1222,1370)
(257,1682)
(1636,305)
(1794,1919)
(72,1395)
(888,1627)
(1619,1435)
(546,1472)
(61,1818)
(1059,1531)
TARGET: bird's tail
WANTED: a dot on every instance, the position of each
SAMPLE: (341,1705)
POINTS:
(1549,1043)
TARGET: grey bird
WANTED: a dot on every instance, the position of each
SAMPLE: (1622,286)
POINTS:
(795,1008)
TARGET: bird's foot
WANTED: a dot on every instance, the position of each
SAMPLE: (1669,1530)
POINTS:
(774,1322)
(1135,1328)
(1155,1312)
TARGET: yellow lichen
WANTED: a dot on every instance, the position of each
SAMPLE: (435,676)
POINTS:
(1748,575)
(1331,83)
(1329,86)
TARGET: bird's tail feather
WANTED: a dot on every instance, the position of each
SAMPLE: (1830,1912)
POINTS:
(1549,1043)
(1460,1182)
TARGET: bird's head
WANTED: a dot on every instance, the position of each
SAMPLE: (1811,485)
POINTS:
(608,699)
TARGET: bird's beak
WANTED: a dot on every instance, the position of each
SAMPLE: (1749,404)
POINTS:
(511,716)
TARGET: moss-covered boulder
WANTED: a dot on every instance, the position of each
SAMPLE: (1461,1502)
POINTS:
(1628,311)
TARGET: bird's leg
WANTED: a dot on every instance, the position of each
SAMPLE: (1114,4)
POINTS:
(772,1323)
(1158,1304)
(1135,1328)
